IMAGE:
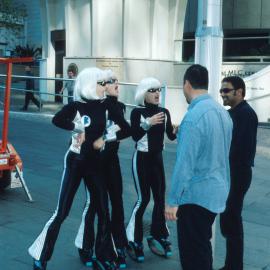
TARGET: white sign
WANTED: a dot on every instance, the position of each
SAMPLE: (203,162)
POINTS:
(258,93)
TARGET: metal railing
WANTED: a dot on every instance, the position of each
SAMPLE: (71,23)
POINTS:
(129,105)
(40,92)
(227,38)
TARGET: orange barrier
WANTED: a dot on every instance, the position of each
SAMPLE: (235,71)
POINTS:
(9,158)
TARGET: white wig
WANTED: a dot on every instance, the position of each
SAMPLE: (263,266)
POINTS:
(86,84)
(109,74)
(143,87)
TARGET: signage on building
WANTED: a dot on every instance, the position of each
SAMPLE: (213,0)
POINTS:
(241,70)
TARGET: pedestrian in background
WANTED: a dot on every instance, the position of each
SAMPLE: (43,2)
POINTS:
(30,87)
(69,85)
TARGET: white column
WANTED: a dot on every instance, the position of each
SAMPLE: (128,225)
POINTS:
(52,19)
(160,26)
(178,14)
(44,28)
(78,28)
(137,29)
(107,28)
(48,53)
(209,38)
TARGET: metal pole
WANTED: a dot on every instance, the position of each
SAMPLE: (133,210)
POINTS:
(27,192)
(39,99)
(209,40)
(163,95)
(208,51)
(6,108)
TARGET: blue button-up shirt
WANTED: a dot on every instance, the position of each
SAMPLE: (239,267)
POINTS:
(201,174)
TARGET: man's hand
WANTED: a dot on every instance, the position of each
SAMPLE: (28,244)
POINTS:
(171,213)
(99,143)
(156,119)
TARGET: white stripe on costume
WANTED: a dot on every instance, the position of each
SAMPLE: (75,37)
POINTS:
(130,230)
(36,248)
(79,237)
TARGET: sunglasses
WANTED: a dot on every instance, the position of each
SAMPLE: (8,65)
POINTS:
(226,90)
(154,90)
(102,83)
(112,81)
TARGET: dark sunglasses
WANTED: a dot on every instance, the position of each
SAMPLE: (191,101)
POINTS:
(226,90)
(102,83)
(154,90)
(112,81)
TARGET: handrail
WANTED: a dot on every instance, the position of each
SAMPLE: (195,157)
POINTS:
(226,38)
(34,91)
(51,94)
(66,79)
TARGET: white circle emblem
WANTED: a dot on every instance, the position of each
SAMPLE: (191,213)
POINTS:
(86,120)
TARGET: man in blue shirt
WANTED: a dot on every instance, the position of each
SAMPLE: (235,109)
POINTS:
(201,177)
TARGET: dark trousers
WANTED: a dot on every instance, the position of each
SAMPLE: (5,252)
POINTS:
(111,175)
(28,97)
(114,185)
(231,224)
(148,174)
(75,169)
(70,96)
(194,227)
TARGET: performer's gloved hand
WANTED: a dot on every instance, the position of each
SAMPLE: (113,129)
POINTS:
(147,123)
(80,138)
(110,137)
(78,127)
(157,119)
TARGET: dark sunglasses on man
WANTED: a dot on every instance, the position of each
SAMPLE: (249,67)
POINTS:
(226,90)
(154,90)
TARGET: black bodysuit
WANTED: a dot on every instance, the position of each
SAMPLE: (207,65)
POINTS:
(148,171)
(111,175)
(81,162)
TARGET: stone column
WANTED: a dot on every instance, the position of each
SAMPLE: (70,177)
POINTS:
(78,25)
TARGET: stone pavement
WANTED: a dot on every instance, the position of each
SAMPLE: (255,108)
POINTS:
(42,147)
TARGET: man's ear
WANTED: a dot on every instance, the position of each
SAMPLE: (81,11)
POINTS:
(240,92)
(187,84)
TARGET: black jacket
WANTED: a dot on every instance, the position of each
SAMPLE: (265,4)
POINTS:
(96,111)
(120,109)
(244,136)
(151,140)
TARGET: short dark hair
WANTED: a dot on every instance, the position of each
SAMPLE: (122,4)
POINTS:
(197,76)
(237,82)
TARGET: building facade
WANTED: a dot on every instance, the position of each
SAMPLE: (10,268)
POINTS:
(141,38)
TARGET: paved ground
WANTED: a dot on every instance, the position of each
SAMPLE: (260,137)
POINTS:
(42,147)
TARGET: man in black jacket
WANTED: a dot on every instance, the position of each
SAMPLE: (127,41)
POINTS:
(242,153)
(29,86)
